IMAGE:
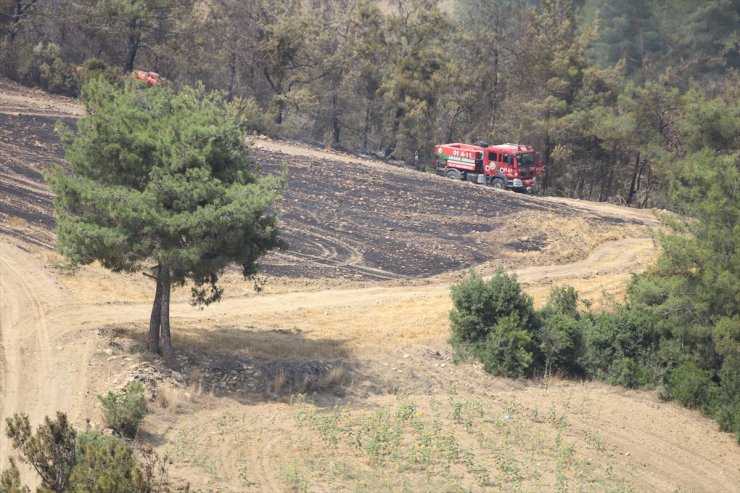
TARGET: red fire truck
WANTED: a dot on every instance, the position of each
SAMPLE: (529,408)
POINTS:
(505,166)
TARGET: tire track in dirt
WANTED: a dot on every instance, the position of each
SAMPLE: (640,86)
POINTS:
(24,335)
(262,458)
(42,363)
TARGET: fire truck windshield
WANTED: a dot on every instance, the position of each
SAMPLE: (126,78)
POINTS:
(525,159)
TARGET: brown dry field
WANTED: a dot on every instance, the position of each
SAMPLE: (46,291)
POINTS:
(398,415)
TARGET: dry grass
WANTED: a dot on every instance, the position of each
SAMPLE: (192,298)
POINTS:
(169,399)
(335,376)
(174,400)
(16,222)
(567,238)
(278,382)
(293,377)
(259,343)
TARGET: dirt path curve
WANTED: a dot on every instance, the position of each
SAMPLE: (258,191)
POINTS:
(48,337)
(42,368)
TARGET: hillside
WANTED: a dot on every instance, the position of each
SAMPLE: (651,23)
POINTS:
(362,295)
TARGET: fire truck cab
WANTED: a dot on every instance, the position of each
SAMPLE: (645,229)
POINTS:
(504,166)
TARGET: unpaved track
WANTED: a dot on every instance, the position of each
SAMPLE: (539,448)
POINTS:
(48,337)
(48,326)
(43,370)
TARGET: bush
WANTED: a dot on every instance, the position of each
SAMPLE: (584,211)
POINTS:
(478,306)
(495,321)
(105,463)
(10,480)
(87,462)
(50,451)
(691,386)
(628,373)
(560,340)
(508,349)
(614,344)
(562,300)
(42,65)
(123,411)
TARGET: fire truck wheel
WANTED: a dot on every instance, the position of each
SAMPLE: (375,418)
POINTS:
(498,183)
(453,173)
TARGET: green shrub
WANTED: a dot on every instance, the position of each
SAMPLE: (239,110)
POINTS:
(253,115)
(727,414)
(508,349)
(691,386)
(495,321)
(621,346)
(628,373)
(105,464)
(123,411)
(478,305)
(562,300)
(560,341)
(42,65)
(10,480)
(71,462)
(50,451)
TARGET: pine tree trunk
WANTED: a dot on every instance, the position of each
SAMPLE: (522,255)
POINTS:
(366,130)
(232,76)
(394,132)
(633,188)
(167,351)
(155,320)
(548,166)
(134,38)
(335,126)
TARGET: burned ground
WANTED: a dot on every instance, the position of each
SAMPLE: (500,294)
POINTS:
(342,220)
(353,221)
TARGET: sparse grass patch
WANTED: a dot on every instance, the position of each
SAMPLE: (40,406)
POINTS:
(298,377)
(16,222)
(174,400)
(272,344)
(464,444)
(293,478)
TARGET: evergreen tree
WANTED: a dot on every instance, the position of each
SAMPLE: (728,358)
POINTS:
(165,177)
(125,27)
(50,451)
(365,56)
(418,68)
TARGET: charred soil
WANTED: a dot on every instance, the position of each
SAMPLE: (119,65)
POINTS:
(338,376)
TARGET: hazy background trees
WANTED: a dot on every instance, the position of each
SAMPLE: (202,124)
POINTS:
(596,85)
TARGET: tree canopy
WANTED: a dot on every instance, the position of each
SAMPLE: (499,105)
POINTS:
(161,180)
(593,84)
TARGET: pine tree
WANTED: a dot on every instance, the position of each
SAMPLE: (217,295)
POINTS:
(164,177)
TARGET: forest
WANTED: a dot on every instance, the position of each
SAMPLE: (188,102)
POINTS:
(610,91)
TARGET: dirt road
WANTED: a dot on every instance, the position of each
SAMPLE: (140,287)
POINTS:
(334,295)
(44,359)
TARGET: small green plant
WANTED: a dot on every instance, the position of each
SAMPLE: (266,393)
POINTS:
(123,411)
(10,480)
(50,451)
(293,478)
(68,461)
(106,463)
